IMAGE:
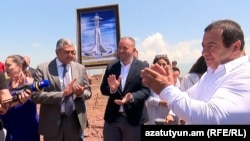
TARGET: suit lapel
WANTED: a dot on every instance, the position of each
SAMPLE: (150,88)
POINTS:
(74,74)
(117,72)
(54,73)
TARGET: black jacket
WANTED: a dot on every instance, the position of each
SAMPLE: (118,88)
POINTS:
(136,111)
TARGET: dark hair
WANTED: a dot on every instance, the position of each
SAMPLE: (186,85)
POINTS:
(163,56)
(231,32)
(174,62)
(176,69)
(199,66)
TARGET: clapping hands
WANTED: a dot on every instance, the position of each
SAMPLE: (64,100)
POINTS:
(128,97)
(113,82)
(157,77)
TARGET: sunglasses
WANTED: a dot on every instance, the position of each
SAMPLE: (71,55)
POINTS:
(161,56)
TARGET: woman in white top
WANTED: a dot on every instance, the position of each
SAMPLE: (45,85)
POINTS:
(194,75)
(158,108)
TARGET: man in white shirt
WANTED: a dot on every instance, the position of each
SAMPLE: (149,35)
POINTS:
(223,93)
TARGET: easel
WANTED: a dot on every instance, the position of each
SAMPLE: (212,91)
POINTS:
(103,71)
(103,68)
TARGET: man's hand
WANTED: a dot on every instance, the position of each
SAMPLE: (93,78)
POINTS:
(78,89)
(157,78)
(113,82)
(69,89)
(128,97)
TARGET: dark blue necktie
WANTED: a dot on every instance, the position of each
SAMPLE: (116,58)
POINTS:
(68,100)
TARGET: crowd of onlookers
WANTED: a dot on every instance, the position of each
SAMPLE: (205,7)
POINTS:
(216,90)
(19,72)
(62,113)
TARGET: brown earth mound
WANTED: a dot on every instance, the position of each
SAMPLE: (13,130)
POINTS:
(95,110)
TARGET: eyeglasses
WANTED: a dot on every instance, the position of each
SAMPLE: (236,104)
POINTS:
(161,56)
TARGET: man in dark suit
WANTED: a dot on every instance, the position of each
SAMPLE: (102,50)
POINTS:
(125,110)
(31,70)
(54,122)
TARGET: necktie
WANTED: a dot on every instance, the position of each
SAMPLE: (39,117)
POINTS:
(68,100)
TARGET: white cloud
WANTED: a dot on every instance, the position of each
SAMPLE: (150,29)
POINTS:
(185,52)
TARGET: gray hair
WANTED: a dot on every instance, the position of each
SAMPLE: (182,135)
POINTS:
(63,41)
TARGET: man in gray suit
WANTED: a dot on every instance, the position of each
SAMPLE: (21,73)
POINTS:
(54,123)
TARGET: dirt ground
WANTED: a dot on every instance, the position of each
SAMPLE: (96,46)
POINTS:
(95,110)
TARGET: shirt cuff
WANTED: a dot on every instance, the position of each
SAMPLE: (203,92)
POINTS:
(113,91)
(169,93)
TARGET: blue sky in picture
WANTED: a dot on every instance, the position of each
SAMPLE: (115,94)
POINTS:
(98,28)
(174,28)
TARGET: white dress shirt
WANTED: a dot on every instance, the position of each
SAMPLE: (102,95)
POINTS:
(155,109)
(188,81)
(221,96)
(60,73)
(124,75)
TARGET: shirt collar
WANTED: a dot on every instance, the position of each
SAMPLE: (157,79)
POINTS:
(127,64)
(227,67)
(235,63)
(59,63)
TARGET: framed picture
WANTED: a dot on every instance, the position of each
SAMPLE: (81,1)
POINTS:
(98,34)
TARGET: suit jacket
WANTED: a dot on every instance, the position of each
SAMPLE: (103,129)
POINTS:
(136,111)
(32,71)
(51,98)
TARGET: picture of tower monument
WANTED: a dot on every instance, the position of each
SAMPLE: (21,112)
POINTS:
(98,49)
(98,35)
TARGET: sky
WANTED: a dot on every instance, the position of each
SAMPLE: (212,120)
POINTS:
(172,27)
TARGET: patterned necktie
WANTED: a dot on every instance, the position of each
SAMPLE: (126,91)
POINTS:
(68,100)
